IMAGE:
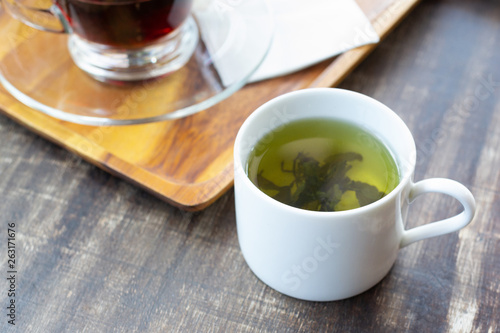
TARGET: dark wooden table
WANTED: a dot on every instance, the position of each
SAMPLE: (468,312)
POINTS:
(96,254)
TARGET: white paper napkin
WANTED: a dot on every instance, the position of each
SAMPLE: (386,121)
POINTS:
(305,33)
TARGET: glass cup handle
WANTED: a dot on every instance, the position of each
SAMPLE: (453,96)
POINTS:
(438,228)
(46,19)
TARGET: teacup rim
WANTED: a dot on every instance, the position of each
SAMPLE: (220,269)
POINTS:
(405,178)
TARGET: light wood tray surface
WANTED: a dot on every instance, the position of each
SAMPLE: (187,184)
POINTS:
(189,162)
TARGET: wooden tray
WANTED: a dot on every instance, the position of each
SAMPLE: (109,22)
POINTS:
(189,162)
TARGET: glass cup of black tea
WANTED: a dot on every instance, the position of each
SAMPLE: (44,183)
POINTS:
(118,40)
(323,179)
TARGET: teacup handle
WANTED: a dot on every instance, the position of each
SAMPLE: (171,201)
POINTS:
(45,19)
(438,228)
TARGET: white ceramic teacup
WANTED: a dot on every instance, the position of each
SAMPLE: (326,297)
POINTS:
(325,256)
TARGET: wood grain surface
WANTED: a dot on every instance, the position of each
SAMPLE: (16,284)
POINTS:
(187,162)
(97,254)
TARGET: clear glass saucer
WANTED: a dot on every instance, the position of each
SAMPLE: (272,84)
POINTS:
(36,68)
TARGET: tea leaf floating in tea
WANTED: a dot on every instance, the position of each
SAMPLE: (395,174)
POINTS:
(323,165)
(321,187)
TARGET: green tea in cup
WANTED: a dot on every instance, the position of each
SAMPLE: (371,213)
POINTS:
(322,164)
(330,149)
